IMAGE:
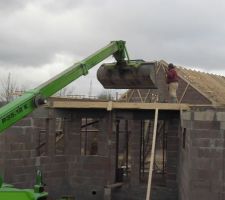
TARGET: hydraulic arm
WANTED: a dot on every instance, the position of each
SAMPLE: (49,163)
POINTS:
(21,107)
(122,74)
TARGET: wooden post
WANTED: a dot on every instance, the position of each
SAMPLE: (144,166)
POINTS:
(152,155)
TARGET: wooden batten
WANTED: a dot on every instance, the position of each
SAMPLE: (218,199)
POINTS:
(118,105)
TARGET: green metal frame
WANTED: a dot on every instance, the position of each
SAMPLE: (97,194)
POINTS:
(21,107)
(8,192)
(11,193)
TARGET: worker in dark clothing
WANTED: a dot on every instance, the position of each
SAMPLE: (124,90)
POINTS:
(172,81)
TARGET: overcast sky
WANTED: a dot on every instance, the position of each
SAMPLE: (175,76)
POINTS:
(40,38)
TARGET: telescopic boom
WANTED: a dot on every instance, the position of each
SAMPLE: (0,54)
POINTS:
(24,105)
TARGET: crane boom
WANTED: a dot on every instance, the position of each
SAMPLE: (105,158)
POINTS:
(122,74)
(24,105)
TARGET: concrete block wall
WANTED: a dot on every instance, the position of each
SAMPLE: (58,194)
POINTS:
(135,153)
(2,155)
(84,177)
(173,129)
(18,155)
(202,155)
(87,174)
(89,177)
(195,168)
(107,146)
(103,137)
(19,160)
(54,171)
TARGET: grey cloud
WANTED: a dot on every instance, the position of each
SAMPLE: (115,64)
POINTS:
(50,5)
(58,7)
(8,6)
(183,32)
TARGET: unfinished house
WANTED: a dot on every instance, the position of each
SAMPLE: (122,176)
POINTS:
(116,150)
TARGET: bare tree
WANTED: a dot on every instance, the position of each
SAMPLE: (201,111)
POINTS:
(105,95)
(8,89)
(66,91)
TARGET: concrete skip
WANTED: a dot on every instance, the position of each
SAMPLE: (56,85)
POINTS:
(128,75)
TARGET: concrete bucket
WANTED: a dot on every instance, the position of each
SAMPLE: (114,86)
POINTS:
(132,75)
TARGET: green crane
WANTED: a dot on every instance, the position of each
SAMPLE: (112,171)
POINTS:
(122,74)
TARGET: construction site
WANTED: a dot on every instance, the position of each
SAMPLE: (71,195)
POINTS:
(140,146)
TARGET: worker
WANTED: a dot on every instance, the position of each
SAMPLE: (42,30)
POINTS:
(172,81)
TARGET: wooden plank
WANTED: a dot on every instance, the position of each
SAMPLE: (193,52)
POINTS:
(118,105)
(150,106)
(79,104)
(152,155)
